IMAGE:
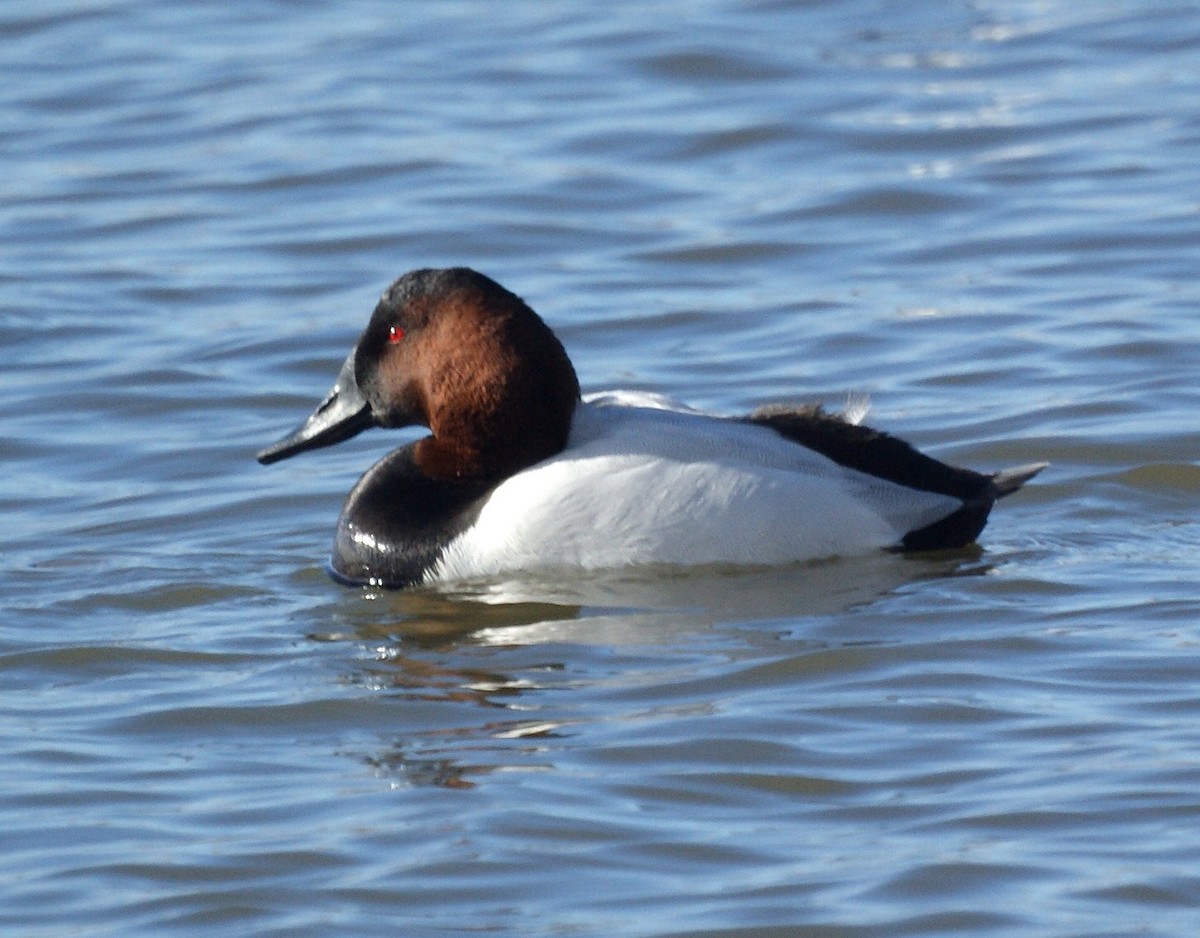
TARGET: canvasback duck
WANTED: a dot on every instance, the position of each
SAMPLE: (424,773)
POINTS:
(521,472)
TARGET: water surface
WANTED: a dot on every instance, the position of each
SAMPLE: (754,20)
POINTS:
(982,215)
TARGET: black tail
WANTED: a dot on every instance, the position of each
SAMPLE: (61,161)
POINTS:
(961,527)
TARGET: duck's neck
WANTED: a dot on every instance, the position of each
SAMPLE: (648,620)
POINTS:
(506,414)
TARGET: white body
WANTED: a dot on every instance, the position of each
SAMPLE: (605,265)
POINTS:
(643,481)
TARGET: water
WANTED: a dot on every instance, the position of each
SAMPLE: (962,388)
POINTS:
(983,215)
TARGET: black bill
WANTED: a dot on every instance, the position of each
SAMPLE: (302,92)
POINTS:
(343,414)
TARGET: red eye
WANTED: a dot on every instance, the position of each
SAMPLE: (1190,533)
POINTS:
(395,335)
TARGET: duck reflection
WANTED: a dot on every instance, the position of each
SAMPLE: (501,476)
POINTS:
(644,605)
(441,650)
(454,757)
(427,650)
(448,766)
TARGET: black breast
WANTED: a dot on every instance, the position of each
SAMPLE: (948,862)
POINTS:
(397,522)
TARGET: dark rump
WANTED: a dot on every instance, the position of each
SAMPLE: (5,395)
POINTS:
(872,451)
(886,457)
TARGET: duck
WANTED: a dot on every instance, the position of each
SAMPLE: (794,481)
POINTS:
(520,472)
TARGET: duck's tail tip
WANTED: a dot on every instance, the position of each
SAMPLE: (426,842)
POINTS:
(1007,481)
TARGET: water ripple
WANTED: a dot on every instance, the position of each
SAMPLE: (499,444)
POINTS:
(975,214)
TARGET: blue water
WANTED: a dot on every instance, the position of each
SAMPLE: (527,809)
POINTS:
(982,215)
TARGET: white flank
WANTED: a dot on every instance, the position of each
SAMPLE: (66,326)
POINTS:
(641,483)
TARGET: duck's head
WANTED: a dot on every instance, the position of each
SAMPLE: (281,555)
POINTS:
(453,351)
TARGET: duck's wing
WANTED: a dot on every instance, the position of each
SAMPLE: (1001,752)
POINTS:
(872,451)
(887,457)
